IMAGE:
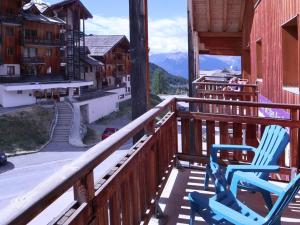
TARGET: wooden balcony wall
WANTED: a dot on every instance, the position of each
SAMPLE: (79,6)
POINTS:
(240,125)
(212,87)
(128,193)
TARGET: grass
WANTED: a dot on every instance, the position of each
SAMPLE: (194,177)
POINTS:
(25,130)
(91,137)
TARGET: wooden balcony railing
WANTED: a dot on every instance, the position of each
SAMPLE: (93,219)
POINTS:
(217,87)
(241,125)
(128,193)
(37,41)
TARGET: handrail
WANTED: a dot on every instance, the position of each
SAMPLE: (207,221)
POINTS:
(237,103)
(60,182)
(224,84)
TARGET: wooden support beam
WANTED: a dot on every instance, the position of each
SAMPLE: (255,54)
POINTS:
(225,15)
(208,15)
(138,51)
(243,7)
(220,34)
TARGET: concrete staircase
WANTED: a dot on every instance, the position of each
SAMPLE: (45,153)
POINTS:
(64,123)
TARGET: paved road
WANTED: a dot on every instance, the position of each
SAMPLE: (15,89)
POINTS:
(23,173)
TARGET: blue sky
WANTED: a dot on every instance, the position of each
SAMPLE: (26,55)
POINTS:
(167,22)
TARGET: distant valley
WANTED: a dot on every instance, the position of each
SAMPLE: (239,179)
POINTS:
(177,63)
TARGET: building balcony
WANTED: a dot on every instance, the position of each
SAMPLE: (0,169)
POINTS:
(11,19)
(131,189)
(33,60)
(220,87)
(35,41)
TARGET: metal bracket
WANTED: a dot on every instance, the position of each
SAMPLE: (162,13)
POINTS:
(178,164)
(162,218)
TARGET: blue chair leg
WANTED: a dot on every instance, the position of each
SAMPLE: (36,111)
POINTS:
(206,180)
(268,199)
(192,218)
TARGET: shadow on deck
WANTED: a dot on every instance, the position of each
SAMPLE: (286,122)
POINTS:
(175,205)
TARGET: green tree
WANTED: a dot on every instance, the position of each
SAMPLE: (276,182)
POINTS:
(160,85)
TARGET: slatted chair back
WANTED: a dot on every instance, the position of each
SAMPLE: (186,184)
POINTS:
(272,144)
(283,200)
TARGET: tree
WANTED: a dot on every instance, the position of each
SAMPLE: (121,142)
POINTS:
(160,85)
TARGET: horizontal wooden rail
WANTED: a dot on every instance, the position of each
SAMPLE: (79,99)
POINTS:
(237,103)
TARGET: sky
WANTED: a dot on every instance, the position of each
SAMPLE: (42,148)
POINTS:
(167,22)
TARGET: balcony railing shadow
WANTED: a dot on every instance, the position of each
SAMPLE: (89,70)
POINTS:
(129,192)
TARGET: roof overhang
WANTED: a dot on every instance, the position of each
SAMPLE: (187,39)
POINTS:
(219,25)
(45,86)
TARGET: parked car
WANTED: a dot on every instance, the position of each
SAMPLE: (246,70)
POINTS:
(108,131)
(3,158)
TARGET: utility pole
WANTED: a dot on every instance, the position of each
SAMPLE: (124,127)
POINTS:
(139,57)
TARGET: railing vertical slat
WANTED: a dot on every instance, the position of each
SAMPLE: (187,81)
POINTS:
(126,204)
(224,138)
(237,139)
(185,135)
(115,208)
(198,137)
(102,215)
(210,135)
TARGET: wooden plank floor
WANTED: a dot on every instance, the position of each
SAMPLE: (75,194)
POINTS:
(175,205)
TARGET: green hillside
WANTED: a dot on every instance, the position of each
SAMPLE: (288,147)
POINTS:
(163,82)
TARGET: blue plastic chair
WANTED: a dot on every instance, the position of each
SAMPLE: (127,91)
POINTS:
(225,208)
(272,144)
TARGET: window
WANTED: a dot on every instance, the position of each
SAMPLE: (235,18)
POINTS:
(49,35)
(10,51)
(290,57)
(30,34)
(128,78)
(19,92)
(49,70)
(30,52)
(9,31)
(10,70)
(259,60)
(49,52)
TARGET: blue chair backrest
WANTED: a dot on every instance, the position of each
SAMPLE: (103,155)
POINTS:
(283,200)
(272,144)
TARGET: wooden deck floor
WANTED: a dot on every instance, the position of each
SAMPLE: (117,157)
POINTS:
(175,205)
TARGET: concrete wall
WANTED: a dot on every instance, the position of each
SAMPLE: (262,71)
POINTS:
(3,69)
(99,107)
(13,98)
(122,94)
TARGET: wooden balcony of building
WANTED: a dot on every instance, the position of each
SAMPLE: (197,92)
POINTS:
(33,60)
(44,42)
(220,87)
(129,192)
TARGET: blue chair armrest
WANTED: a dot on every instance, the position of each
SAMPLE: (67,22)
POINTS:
(253,180)
(248,168)
(216,147)
(229,214)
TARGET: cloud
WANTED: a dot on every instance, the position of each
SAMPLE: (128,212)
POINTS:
(165,35)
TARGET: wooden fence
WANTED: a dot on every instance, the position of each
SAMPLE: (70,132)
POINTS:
(214,87)
(243,128)
(128,193)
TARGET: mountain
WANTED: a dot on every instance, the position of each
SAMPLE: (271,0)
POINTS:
(177,63)
(174,63)
(174,83)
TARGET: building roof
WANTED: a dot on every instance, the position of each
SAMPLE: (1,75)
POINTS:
(100,45)
(92,61)
(42,18)
(38,5)
(64,3)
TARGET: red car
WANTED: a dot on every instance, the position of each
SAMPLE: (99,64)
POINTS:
(108,131)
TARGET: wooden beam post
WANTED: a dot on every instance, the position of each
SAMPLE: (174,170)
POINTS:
(192,68)
(139,59)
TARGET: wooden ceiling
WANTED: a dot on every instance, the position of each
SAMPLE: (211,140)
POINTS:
(221,20)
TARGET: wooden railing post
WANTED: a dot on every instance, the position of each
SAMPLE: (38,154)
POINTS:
(294,146)
(84,191)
